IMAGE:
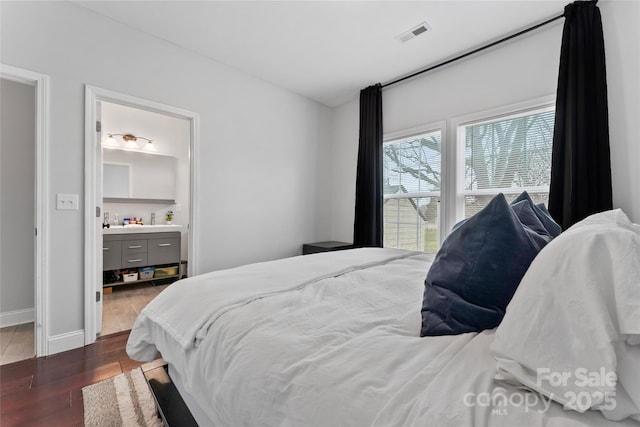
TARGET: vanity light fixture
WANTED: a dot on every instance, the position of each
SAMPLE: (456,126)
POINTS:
(129,141)
(149,146)
(111,142)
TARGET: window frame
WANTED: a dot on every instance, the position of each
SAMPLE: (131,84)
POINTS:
(452,191)
(398,136)
(456,127)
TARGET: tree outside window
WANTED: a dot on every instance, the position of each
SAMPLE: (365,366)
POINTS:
(506,155)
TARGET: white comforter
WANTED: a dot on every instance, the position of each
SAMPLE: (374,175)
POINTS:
(326,340)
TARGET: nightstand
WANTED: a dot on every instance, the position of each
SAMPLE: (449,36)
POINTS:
(312,248)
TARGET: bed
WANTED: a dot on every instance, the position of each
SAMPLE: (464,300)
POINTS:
(334,339)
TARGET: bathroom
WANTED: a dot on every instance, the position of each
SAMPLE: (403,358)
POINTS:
(146,191)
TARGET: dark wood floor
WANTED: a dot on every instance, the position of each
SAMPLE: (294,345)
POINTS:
(47,391)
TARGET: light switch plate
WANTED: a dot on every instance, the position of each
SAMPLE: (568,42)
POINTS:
(67,202)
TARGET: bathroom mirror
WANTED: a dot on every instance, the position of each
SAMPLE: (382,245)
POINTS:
(135,175)
(116,180)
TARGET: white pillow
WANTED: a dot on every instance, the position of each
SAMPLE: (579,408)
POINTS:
(571,331)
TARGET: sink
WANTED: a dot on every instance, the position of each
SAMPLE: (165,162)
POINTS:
(136,228)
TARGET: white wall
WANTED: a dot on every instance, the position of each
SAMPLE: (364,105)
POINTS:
(17,207)
(523,69)
(259,175)
(621,22)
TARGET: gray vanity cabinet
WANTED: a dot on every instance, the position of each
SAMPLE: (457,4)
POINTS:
(123,251)
(134,253)
(164,250)
(111,254)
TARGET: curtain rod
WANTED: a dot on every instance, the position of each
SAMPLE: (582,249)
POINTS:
(464,55)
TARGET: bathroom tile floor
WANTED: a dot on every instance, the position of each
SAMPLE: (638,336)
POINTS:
(121,307)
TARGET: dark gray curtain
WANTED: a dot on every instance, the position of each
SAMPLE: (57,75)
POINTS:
(367,228)
(581,166)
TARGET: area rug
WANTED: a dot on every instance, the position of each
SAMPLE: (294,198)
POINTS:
(124,400)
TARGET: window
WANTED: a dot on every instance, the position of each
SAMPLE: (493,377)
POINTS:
(431,182)
(412,176)
(508,155)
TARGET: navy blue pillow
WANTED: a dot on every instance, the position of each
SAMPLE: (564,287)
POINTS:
(551,228)
(540,236)
(542,213)
(478,268)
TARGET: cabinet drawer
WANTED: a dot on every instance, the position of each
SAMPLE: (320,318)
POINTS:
(134,260)
(111,255)
(133,247)
(164,251)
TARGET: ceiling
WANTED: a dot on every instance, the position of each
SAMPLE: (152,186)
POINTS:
(327,50)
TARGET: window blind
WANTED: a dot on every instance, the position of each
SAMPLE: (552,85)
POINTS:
(507,155)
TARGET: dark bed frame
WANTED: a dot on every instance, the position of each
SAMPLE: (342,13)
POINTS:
(171,407)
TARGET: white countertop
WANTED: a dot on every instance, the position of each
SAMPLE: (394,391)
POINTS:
(130,229)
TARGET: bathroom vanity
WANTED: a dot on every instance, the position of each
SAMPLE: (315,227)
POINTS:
(127,248)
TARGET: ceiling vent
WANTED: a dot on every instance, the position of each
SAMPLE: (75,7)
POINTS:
(414,32)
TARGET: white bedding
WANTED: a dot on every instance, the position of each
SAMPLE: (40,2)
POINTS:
(320,340)
(581,297)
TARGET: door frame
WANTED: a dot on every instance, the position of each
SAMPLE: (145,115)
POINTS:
(93,153)
(41,286)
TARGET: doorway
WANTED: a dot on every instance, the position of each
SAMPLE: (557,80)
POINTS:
(140,163)
(145,176)
(22,214)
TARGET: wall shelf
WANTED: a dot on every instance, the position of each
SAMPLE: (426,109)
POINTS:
(133,282)
(136,200)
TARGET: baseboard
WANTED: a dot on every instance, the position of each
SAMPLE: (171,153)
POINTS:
(66,341)
(17,317)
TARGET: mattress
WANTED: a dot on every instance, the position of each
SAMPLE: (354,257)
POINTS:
(330,339)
